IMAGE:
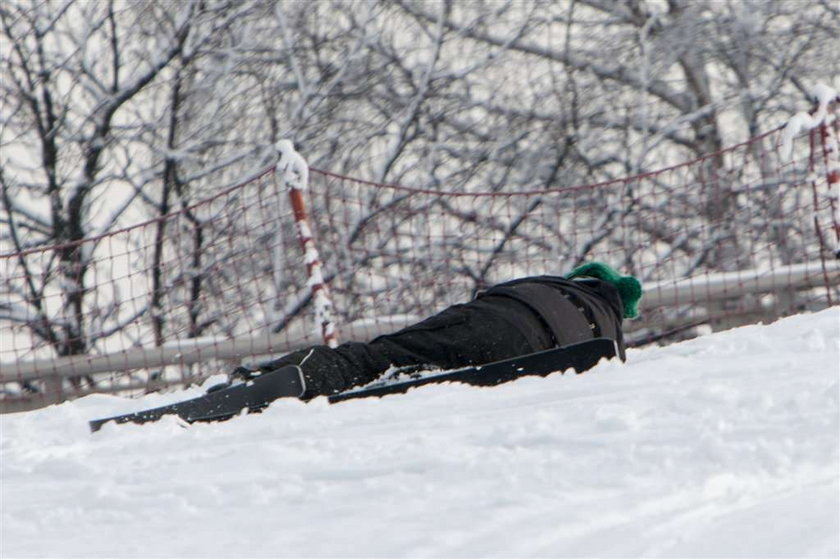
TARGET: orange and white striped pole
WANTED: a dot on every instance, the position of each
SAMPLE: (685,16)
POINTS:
(294,172)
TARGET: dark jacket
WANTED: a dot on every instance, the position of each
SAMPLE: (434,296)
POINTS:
(572,310)
(510,319)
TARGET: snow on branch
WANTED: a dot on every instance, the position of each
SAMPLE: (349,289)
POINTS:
(802,122)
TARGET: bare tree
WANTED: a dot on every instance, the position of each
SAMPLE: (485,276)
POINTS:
(79,135)
(111,113)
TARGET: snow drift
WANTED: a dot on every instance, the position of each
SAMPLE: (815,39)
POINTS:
(726,445)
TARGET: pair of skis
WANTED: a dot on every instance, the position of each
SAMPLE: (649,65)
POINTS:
(256,394)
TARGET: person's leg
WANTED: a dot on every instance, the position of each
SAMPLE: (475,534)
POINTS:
(331,370)
(483,331)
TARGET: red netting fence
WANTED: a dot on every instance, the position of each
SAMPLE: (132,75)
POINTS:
(744,235)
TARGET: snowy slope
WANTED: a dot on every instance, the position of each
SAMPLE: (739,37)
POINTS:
(726,445)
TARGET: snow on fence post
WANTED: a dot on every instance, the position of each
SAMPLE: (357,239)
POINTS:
(293,170)
(826,98)
(820,122)
(830,137)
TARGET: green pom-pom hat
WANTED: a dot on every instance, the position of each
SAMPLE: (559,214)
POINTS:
(628,287)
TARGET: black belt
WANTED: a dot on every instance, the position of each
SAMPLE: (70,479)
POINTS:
(585,311)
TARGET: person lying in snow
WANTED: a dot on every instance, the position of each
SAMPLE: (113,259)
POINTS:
(507,320)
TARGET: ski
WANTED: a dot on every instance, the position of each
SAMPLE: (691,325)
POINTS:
(257,393)
(580,357)
(224,402)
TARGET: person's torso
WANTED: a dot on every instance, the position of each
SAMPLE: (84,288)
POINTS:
(573,310)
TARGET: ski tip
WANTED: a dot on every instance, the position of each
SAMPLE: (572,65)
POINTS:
(96,424)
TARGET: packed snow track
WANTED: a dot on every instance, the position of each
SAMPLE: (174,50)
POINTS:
(722,446)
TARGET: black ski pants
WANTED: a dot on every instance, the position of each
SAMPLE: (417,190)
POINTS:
(484,330)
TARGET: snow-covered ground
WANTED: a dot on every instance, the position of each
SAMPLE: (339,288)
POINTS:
(723,446)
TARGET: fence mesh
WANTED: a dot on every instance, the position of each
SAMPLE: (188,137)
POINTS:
(744,235)
(225,268)
(723,220)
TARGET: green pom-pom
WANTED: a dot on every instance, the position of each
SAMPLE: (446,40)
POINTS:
(629,288)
